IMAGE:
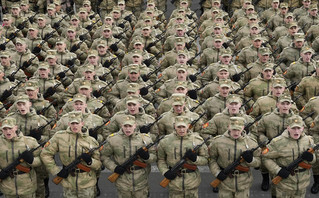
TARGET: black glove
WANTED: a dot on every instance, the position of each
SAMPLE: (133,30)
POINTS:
(91,16)
(63,173)
(307,156)
(68,9)
(292,88)
(190,61)
(87,158)
(128,18)
(144,77)
(93,134)
(25,65)
(12,36)
(248,156)
(188,46)
(170,175)
(4,175)
(20,26)
(192,94)
(70,62)
(107,63)
(192,77)
(143,154)
(119,169)
(121,25)
(74,48)
(236,78)
(96,93)
(150,45)
(145,129)
(114,47)
(147,62)
(56,25)
(35,9)
(36,50)
(191,155)
(143,91)
(82,37)
(6,94)
(49,92)
(189,16)
(221,176)
(11,78)
(89,27)
(27,156)
(225,45)
(35,133)
(102,78)
(61,75)
(46,36)
(284,173)
(2,47)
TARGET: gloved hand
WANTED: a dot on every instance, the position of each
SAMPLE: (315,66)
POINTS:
(170,175)
(36,50)
(147,62)
(93,134)
(74,48)
(307,156)
(143,154)
(119,169)
(61,75)
(49,92)
(284,173)
(121,25)
(128,18)
(191,155)
(221,176)
(4,175)
(96,93)
(63,173)
(87,158)
(6,94)
(248,156)
(27,156)
(145,129)
(26,64)
(56,25)
(2,46)
(236,78)
(107,63)
(11,78)
(114,47)
(35,134)
(89,27)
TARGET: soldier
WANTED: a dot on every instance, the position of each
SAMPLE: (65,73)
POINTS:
(14,146)
(166,123)
(11,71)
(282,151)
(272,125)
(219,123)
(303,10)
(311,108)
(64,56)
(4,40)
(238,144)
(212,55)
(75,45)
(310,19)
(285,40)
(278,19)
(249,54)
(313,131)
(77,182)
(266,15)
(7,97)
(45,29)
(172,149)
(10,31)
(34,40)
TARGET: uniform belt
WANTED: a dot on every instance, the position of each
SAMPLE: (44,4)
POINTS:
(298,171)
(184,170)
(234,173)
(17,172)
(133,168)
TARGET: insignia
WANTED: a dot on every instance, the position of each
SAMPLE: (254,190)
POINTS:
(107,123)
(112,135)
(265,151)
(54,126)
(47,144)
(205,125)
(285,72)
(312,125)
(100,149)
(303,108)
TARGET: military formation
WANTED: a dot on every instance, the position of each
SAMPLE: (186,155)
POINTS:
(123,85)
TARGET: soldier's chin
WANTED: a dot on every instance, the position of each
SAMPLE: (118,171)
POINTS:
(8,136)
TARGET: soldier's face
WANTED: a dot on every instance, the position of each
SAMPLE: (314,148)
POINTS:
(306,57)
(218,44)
(295,132)
(33,33)
(93,60)
(250,11)
(313,12)
(121,6)
(225,59)
(51,61)
(217,31)
(267,74)
(284,107)
(128,129)
(44,73)
(71,34)
(184,4)
(180,32)
(107,33)
(41,22)
(299,44)
(284,11)
(234,133)
(79,106)
(288,19)
(87,7)
(20,47)
(263,58)
(101,50)
(134,76)
(9,133)
(223,74)
(181,130)
(24,7)
(139,46)
(181,59)
(88,75)
(223,91)
(306,3)
(86,92)
(133,108)
(233,107)
(5,61)
(76,127)
(178,108)
(146,32)
(24,107)
(75,22)
(179,46)
(181,75)
(51,12)
(83,15)
(293,30)
(254,31)
(15,11)
(257,43)
(60,47)
(116,15)
(275,5)
(181,90)
(277,91)
(32,94)
(215,4)
(7,22)
(108,21)
(137,59)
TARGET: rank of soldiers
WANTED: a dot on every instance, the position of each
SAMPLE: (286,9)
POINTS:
(124,85)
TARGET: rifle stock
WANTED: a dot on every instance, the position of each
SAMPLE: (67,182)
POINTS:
(112,178)
(165,182)
(140,164)
(57,180)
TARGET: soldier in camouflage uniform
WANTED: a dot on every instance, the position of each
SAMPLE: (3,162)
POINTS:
(310,108)
(283,39)
(9,29)
(303,10)
(72,143)
(171,149)
(132,180)
(313,131)
(75,45)
(236,143)
(10,67)
(278,19)
(6,97)
(282,151)
(64,56)
(249,54)
(310,19)
(266,15)
(13,145)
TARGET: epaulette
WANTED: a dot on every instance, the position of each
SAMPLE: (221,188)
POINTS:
(198,137)
(122,80)
(277,139)
(70,99)
(293,63)
(43,117)
(315,97)
(196,101)
(164,99)
(218,136)
(145,134)
(266,114)
(0,103)
(10,114)
(112,135)
(251,138)
(218,114)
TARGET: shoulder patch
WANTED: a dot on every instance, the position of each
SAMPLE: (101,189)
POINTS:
(47,144)
(205,125)
(70,99)
(265,151)
(312,98)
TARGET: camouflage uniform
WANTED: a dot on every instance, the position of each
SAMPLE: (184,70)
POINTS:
(308,20)
(311,107)
(307,88)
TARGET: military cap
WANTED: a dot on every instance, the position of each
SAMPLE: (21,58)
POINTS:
(41,16)
(179,40)
(60,41)
(22,98)
(8,123)
(180,27)
(71,29)
(89,68)
(149,10)
(218,38)
(182,52)
(136,53)
(268,66)
(219,16)
(75,117)
(85,85)
(222,67)
(86,3)
(31,85)
(82,10)
(181,121)
(279,82)
(299,37)
(133,87)
(108,16)
(43,65)
(295,121)
(258,37)
(178,99)
(247,1)
(33,27)
(180,16)
(21,41)
(16,5)
(226,52)
(278,1)
(151,2)
(24,2)
(233,98)
(313,7)
(283,5)
(307,49)
(289,15)
(107,27)
(57,2)
(236,123)
(213,1)
(215,10)
(102,43)
(5,54)
(217,26)
(184,1)
(181,84)
(181,9)
(128,119)
(147,18)
(254,25)
(284,98)
(79,97)
(293,24)
(74,17)
(132,99)
(252,16)
(120,2)
(138,40)
(92,53)
(116,9)
(224,83)
(133,68)
(6,17)
(146,27)
(51,7)
(182,68)
(250,7)
(51,54)
(264,51)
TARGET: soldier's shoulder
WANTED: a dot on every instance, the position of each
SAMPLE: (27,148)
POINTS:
(113,135)
(313,98)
